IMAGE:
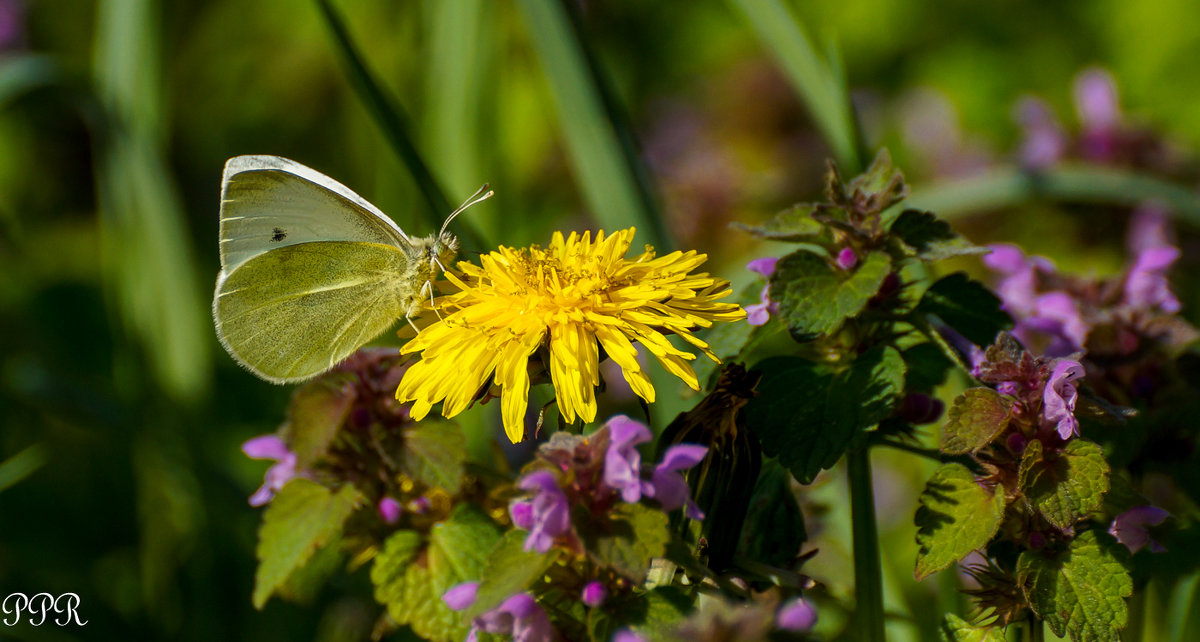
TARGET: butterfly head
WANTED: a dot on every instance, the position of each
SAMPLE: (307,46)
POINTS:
(443,250)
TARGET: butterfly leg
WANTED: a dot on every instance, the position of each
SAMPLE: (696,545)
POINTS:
(432,304)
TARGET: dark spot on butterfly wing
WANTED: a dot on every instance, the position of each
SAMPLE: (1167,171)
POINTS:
(278,235)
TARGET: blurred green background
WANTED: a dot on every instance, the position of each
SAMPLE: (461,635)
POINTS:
(121,477)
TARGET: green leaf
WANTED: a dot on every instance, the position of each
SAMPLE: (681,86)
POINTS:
(873,191)
(509,569)
(815,297)
(302,517)
(774,528)
(599,140)
(956,516)
(967,306)
(930,237)
(925,367)
(814,81)
(1080,592)
(1064,486)
(793,224)
(304,584)
(655,613)
(976,418)
(956,629)
(434,454)
(807,417)
(316,413)
(410,579)
(625,539)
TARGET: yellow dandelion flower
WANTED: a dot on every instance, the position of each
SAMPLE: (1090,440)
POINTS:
(574,297)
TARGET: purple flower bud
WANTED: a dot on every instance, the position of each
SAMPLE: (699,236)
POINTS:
(1044,142)
(622,462)
(550,510)
(796,615)
(461,596)
(1059,397)
(666,484)
(271,447)
(764,266)
(1016,443)
(419,505)
(390,510)
(1146,285)
(1036,541)
(522,514)
(1010,388)
(847,259)
(1130,527)
(594,594)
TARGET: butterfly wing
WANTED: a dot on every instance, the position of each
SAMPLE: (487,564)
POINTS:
(297,311)
(268,202)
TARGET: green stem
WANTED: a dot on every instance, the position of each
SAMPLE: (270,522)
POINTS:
(868,573)
(1036,632)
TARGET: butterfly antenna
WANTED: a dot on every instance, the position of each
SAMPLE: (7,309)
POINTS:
(482,194)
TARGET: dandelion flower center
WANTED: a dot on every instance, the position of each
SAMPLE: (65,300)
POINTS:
(574,297)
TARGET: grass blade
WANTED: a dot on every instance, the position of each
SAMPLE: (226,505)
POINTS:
(1010,186)
(391,119)
(818,85)
(148,260)
(599,140)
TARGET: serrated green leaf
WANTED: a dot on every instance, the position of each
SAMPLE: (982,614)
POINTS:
(807,417)
(815,298)
(625,539)
(302,517)
(434,454)
(1080,592)
(956,516)
(1065,486)
(410,576)
(793,224)
(977,416)
(303,585)
(930,237)
(871,192)
(956,629)
(316,413)
(967,306)
(925,367)
(509,569)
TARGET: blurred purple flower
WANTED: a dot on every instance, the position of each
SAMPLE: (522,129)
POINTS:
(759,313)
(522,514)
(271,447)
(550,511)
(1149,227)
(1043,142)
(518,616)
(594,594)
(1018,287)
(461,596)
(625,635)
(390,510)
(12,24)
(1146,284)
(1057,314)
(1130,527)
(847,259)
(1096,103)
(1059,397)
(622,462)
(666,484)
(796,615)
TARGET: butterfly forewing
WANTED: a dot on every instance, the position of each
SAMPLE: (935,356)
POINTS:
(268,202)
(295,312)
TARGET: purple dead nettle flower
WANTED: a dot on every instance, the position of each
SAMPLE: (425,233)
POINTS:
(1018,286)
(518,616)
(1146,285)
(593,594)
(1043,142)
(284,470)
(1096,104)
(1059,397)
(622,467)
(390,510)
(760,313)
(548,515)
(1130,527)
(847,259)
(796,615)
